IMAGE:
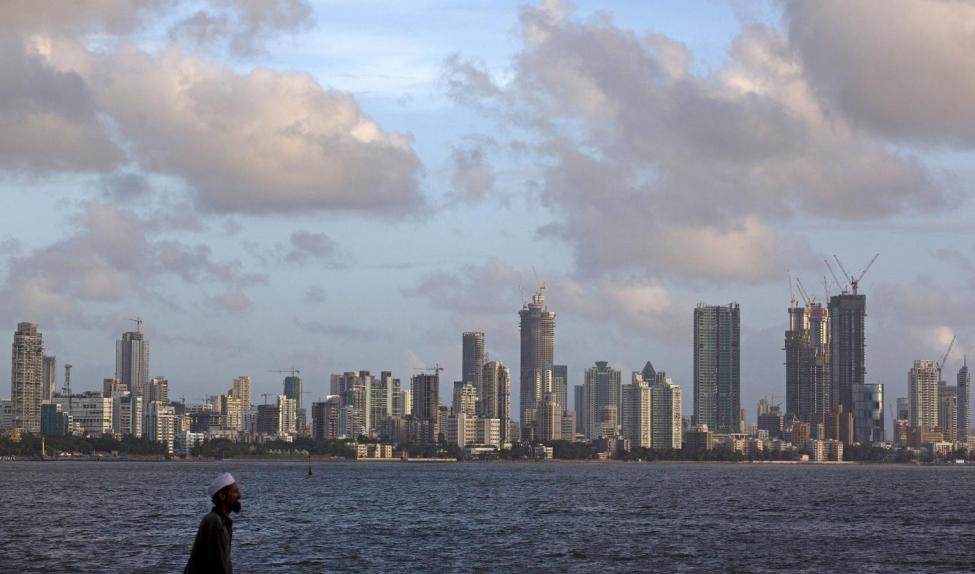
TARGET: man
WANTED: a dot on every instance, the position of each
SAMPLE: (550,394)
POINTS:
(211,549)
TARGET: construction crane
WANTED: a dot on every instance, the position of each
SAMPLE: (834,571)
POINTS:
(138,324)
(792,290)
(266,395)
(940,364)
(835,278)
(294,372)
(436,369)
(854,281)
(802,291)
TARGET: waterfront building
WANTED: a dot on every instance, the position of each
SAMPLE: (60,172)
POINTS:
(157,390)
(922,396)
(568,425)
(902,432)
(807,362)
(948,411)
(771,423)
(473,360)
(847,347)
(964,381)
(461,428)
(801,432)
(717,367)
(825,450)
(465,398)
(160,424)
(49,386)
(386,398)
(269,419)
(602,398)
(406,399)
(91,413)
(838,425)
(54,422)
(6,415)
(132,362)
(325,418)
(426,405)
(232,409)
(868,414)
(537,326)
(560,386)
(496,396)
(356,391)
(27,378)
(127,414)
(185,441)
(903,409)
(293,389)
(548,419)
(665,403)
(288,409)
(581,405)
(635,412)
(488,432)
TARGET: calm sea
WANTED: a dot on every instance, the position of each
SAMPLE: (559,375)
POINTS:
(394,517)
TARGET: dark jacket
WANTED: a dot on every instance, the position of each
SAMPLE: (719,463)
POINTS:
(211,549)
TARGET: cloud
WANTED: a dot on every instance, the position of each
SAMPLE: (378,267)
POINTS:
(472,177)
(903,68)
(233,302)
(653,169)
(109,255)
(244,25)
(307,246)
(315,294)
(111,16)
(340,331)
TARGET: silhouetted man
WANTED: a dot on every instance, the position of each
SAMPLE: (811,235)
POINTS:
(211,549)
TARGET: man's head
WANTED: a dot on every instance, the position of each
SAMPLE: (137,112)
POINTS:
(224,493)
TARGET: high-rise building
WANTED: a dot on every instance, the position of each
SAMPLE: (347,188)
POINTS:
(127,414)
(27,378)
(496,396)
(473,359)
(948,414)
(665,402)
(807,363)
(635,413)
(325,418)
(537,352)
(903,409)
(268,419)
(868,413)
(717,367)
(407,401)
(560,385)
(581,406)
(356,391)
(54,422)
(288,410)
(964,401)
(426,405)
(602,397)
(157,390)
(50,384)
(232,409)
(922,385)
(847,346)
(160,424)
(387,398)
(242,390)
(293,390)
(465,399)
(132,362)
(548,419)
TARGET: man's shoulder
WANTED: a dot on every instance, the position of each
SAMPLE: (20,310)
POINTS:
(212,518)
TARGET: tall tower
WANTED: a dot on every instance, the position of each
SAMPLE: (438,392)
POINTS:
(242,391)
(473,359)
(26,377)
(537,353)
(665,398)
(807,363)
(922,386)
(496,396)
(602,396)
(847,346)
(50,384)
(426,404)
(717,367)
(132,362)
(964,401)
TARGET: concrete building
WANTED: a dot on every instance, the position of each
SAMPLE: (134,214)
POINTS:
(269,419)
(356,391)
(293,389)
(948,411)
(325,418)
(838,425)
(964,381)
(157,390)
(91,413)
(665,403)
(132,362)
(54,422)
(847,347)
(232,408)
(560,386)
(581,406)
(922,385)
(160,424)
(496,396)
(49,386)
(461,429)
(488,432)
(426,405)
(473,360)
(635,412)
(6,415)
(868,414)
(465,399)
(185,441)
(127,414)
(537,326)
(548,419)
(825,450)
(602,398)
(406,399)
(717,367)
(903,409)
(27,378)
(808,387)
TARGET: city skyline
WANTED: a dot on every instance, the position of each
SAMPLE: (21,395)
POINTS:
(610,150)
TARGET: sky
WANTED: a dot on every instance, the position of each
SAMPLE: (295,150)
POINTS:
(338,185)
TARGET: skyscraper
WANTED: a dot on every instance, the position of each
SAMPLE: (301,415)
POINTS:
(132,362)
(665,401)
(807,363)
(27,377)
(560,385)
(922,386)
(293,390)
(473,359)
(602,395)
(717,367)
(50,384)
(868,418)
(847,347)
(426,405)
(537,351)
(635,412)
(964,401)
(496,396)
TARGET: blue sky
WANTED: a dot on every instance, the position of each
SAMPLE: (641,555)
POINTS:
(350,185)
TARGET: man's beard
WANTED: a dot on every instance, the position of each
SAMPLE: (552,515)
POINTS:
(236,507)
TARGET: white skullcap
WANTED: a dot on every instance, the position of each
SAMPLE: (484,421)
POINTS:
(219,483)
